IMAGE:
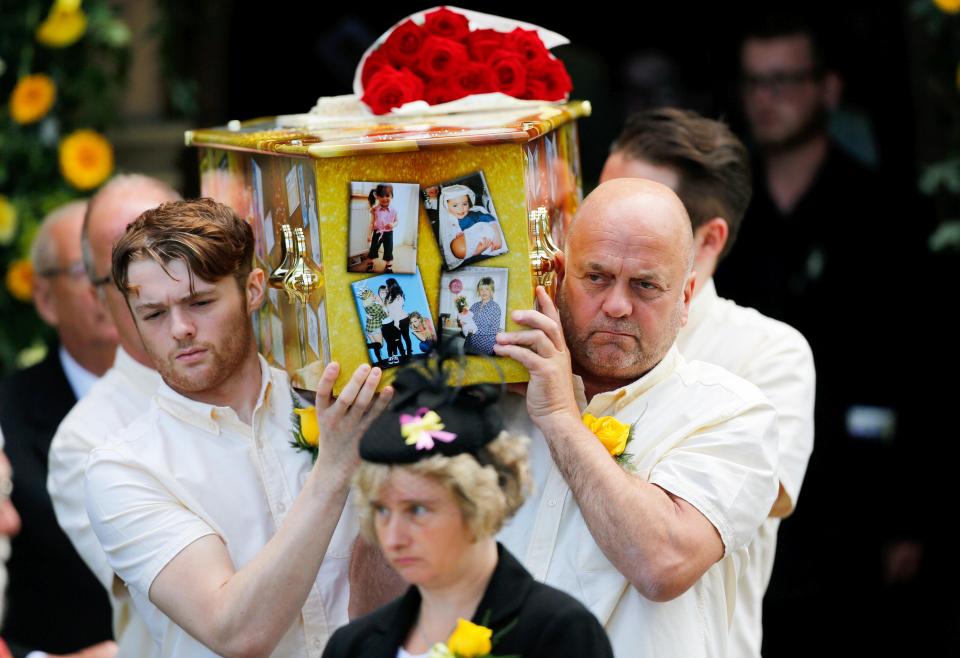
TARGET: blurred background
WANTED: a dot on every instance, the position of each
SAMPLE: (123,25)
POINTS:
(89,89)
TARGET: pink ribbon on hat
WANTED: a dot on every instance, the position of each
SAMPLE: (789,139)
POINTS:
(423,428)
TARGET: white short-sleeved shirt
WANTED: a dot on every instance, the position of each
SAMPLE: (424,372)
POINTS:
(700,433)
(777,359)
(113,402)
(187,470)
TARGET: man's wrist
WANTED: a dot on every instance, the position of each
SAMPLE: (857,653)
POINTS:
(557,422)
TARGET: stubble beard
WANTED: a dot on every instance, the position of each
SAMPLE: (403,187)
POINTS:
(630,365)
(224,361)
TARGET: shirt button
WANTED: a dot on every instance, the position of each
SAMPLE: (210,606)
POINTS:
(552,502)
(317,642)
(281,508)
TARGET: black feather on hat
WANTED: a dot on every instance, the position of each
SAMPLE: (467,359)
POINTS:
(430,417)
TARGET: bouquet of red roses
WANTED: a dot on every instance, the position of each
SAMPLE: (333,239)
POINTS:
(436,57)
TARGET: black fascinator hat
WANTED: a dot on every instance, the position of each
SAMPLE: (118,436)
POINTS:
(428,416)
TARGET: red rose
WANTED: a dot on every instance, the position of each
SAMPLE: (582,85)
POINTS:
(447,24)
(555,80)
(475,78)
(528,44)
(441,57)
(509,73)
(377,60)
(443,91)
(404,44)
(536,90)
(484,43)
(390,88)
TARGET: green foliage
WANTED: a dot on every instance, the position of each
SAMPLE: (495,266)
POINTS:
(89,76)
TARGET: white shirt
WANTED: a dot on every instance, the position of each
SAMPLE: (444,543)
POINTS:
(700,433)
(187,470)
(113,402)
(777,359)
(80,379)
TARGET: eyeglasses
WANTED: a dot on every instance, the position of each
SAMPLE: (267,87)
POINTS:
(99,282)
(74,270)
(779,82)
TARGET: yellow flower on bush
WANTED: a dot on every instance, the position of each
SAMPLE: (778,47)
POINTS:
(470,640)
(308,425)
(948,6)
(20,279)
(86,159)
(612,433)
(8,220)
(63,26)
(32,98)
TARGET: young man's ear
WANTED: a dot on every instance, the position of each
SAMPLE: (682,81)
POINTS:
(255,289)
(710,238)
(558,266)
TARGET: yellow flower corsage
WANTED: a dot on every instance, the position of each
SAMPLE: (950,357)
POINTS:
(613,434)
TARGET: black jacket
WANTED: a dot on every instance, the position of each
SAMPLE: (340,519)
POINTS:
(549,623)
(54,603)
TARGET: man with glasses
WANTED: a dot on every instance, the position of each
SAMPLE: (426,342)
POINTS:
(820,222)
(122,395)
(47,579)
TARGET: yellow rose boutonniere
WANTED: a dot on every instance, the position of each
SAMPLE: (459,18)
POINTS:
(612,433)
(20,280)
(470,640)
(86,159)
(304,427)
(32,98)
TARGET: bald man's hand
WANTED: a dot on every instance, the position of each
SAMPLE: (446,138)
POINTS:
(542,350)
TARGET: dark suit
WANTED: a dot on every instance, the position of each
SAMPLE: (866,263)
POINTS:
(548,623)
(54,603)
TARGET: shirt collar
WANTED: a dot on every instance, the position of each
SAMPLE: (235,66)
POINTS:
(210,417)
(612,401)
(700,305)
(79,378)
(146,380)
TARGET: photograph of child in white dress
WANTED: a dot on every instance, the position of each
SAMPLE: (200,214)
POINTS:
(473,308)
(464,220)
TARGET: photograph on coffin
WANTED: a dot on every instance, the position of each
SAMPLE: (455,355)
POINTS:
(473,307)
(383,227)
(464,220)
(395,318)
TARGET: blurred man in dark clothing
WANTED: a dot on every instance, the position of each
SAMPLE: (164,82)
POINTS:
(55,604)
(820,227)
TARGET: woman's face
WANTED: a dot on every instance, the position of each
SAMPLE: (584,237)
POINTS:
(486,293)
(416,323)
(459,206)
(383,294)
(421,529)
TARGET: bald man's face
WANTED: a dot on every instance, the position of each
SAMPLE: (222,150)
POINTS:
(625,289)
(110,218)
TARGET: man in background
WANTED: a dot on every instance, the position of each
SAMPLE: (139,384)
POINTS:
(709,168)
(47,578)
(119,397)
(820,226)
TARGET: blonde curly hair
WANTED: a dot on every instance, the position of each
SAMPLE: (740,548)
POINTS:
(487,495)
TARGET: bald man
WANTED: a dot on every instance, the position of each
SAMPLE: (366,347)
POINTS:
(47,578)
(122,395)
(650,535)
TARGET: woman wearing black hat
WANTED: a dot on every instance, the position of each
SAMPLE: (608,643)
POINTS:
(438,479)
